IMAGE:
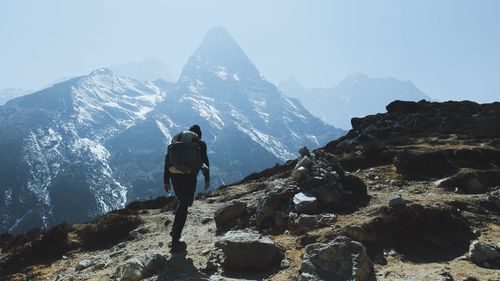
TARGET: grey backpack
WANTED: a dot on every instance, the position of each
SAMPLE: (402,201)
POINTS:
(184,153)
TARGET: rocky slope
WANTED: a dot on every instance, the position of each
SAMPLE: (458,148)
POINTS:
(412,194)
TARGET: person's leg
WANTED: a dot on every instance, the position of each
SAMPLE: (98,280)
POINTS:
(184,187)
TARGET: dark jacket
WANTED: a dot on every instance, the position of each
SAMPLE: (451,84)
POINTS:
(204,157)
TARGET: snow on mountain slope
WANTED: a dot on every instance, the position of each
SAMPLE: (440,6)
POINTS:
(65,167)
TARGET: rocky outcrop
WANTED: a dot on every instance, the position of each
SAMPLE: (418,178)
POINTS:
(341,259)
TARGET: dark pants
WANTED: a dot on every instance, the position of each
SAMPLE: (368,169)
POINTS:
(184,188)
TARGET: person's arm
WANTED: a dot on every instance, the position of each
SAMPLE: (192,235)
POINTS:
(166,176)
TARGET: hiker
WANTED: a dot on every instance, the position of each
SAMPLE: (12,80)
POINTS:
(184,183)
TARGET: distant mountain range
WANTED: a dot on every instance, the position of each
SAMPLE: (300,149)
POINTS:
(90,144)
(148,70)
(10,93)
(356,96)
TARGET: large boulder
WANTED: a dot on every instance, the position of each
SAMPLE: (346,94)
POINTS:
(248,251)
(229,213)
(341,259)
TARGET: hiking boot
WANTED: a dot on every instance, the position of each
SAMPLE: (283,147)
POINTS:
(177,246)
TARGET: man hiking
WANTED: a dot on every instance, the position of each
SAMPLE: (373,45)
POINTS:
(184,178)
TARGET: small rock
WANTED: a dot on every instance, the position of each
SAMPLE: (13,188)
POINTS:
(304,222)
(206,252)
(206,220)
(130,271)
(305,204)
(117,253)
(285,263)
(299,173)
(396,201)
(83,264)
(341,259)
(480,252)
(134,234)
(211,266)
(99,266)
(304,162)
(161,244)
(304,151)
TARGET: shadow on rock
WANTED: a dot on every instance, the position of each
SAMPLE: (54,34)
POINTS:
(179,267)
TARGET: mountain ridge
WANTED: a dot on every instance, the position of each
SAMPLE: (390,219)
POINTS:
(357,95)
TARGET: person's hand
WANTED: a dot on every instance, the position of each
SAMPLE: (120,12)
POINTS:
(207,186)
(166,186)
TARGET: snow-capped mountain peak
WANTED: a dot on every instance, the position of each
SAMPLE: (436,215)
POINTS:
(220,57)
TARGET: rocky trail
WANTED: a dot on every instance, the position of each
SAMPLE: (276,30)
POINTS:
(424,206)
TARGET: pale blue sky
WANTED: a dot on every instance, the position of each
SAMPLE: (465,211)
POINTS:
(449,48)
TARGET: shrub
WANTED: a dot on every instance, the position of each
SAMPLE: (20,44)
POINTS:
(107,230)
(37,247)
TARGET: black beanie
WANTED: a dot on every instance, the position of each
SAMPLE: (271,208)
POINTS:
(196,129)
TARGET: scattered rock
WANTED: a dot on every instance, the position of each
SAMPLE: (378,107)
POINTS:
(285,263)
(130,271)
(396,201)
(137,268)
(299,173)
(229,213)
(304,204)
(341,259)
(99,266)
(206,220)
(480,252)
(83,264)
(304,151)
(302,168)
(153,262)
(248,251)
(303,223)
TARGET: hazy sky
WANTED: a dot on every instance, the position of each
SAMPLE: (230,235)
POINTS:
(449,48)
